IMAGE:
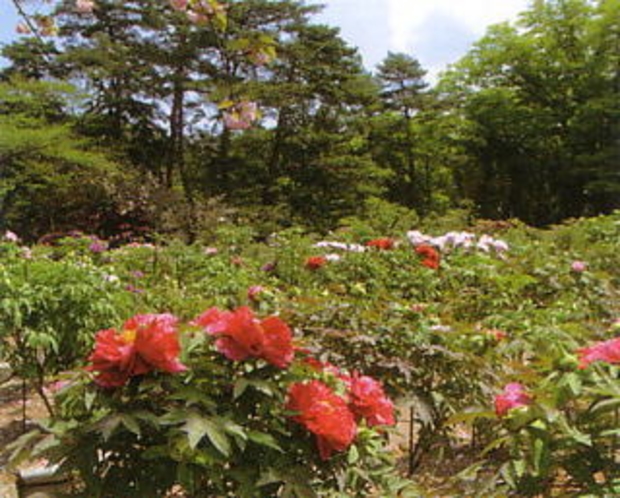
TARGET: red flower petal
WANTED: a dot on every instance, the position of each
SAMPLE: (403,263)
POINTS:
(323,413)
(278,349)
(368,400)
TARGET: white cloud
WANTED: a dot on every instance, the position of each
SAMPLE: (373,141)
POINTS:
(406,17)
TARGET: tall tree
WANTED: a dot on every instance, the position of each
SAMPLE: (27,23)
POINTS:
(535,93)
(51,178)
(401,78)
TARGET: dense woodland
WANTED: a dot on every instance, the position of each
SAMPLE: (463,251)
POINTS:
(114,125)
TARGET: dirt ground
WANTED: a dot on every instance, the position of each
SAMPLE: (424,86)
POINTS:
(12,423)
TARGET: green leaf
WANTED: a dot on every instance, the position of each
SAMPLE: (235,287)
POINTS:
(269,476)
(197,427)
(240,387)
(574,383)
(22,447)
(353,456)
(89,399)
(540,453)
(108,425)
(264,439)
(233,429)
(131,424)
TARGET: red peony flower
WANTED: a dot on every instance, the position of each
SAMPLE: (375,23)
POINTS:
(156,341)
(278,348)
(315,262)
(208,318)
(607,351)
(513,396)
(146,343)
(112,357)
(430,254)
(240,335)
(367,400)
(323,413)
(383,243)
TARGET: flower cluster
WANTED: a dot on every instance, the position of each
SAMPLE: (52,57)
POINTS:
(513,396)
(240,335)
(97,245)
(456,240)
(606,351)
(150,342)
(431,257)
(340,245)
(145,343)
(332,418)
(315,262)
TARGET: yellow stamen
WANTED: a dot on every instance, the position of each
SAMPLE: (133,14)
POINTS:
(129,336)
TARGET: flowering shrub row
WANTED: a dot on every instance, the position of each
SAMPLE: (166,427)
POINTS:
(446,340)
(158,382)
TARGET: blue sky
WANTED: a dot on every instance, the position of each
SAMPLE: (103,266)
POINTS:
(436,32)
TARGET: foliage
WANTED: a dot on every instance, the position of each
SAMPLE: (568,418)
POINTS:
(542,99)
(48,310)
(43,161)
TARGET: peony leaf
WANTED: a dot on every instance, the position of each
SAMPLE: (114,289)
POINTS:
(264,439)
(240,387)
(197,427)
(131,424)
(108,425)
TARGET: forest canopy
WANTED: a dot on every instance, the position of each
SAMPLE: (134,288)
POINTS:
(130,118)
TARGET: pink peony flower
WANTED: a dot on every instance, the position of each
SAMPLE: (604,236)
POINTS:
(11,236)
(382,243)
(607,351)
(513,396)
(579,266)
(146,343)
(315,262)
(367,400)
(497,334)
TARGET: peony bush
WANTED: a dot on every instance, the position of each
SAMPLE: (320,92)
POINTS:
(226,405)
